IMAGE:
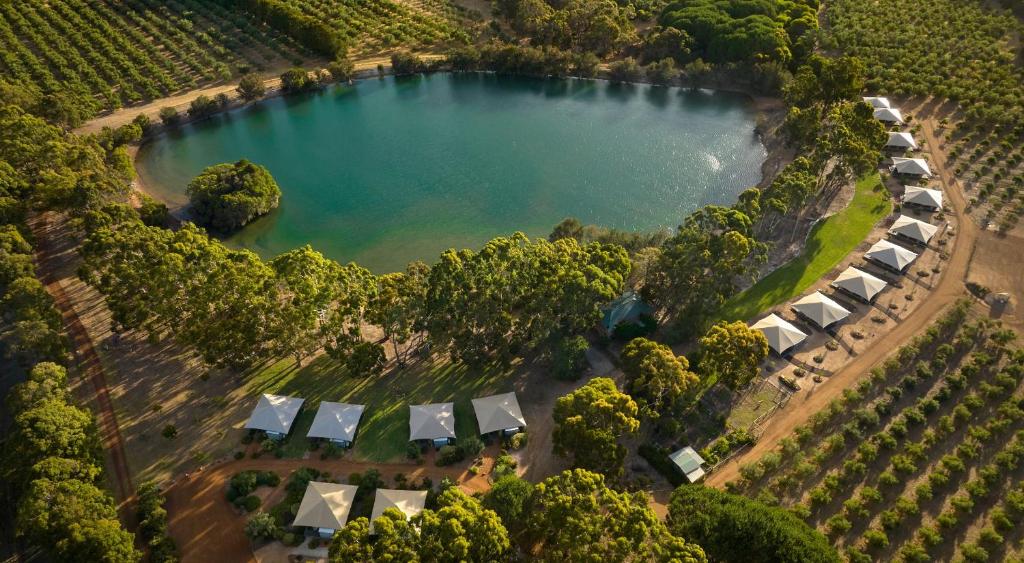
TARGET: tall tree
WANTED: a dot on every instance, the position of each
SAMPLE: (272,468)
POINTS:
(656,375)
(733,351)
(395,541)
(589,423)
(461,530)
(397,305)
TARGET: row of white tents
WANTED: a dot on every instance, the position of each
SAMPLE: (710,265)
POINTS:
(337,422)
(325,506)
(899,140)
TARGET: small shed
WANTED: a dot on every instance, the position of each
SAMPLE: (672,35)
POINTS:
(336,422)
(820,310)
(499,413)
(901,140)
(877,101)
(859,284)
(689,463)
(434,422)
(409,503)
(325,507)
(890,256)
(781,334)
(911,167)
(913,230)
(274,414)
(922,197)
(888,115)
(625,310)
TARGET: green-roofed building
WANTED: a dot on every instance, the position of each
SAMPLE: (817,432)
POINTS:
(625,310)
(690,463)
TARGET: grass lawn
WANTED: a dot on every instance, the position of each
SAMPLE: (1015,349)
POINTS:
(384,429)
(829,242)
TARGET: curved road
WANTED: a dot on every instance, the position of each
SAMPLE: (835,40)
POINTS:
(949,288)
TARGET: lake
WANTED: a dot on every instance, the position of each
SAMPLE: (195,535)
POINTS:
(387,171)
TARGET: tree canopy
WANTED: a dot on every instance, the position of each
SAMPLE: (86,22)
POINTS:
(225,197)
(656,375)
(733,351)
(589,423)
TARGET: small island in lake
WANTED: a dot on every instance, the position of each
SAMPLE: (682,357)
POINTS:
(226,197)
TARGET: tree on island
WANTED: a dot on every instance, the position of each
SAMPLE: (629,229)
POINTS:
(589,422)
(226,197)
(733,351)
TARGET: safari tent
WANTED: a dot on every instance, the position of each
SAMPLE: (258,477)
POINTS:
(888,115)
(499,413)
(409,503)
(890,256)
(781,334)
(922,197)
(911,167)
(336,422)
(859,284)
(913,229)
(325,507)
(434,422)
(901,140)
(820,310)
(877,101)
(274,415)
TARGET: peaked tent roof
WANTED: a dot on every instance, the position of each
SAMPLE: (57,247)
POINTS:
(923,196)
(861,284)
(891,115)
(628,307)
(820,309)
(877,101)
(432,421)
(409,503)
(918,166)
(274,413)
(689,462)
(912,228)
(498,412)
(901,140)
(781,334)
(891,255)
(325,505)
(336,421)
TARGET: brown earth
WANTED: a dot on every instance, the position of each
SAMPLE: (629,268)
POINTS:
(949,288)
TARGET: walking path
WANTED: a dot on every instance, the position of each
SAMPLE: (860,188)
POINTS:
(87,363)
(949,288)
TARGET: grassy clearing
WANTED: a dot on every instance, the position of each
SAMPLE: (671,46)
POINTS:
(829,242)
(384,429)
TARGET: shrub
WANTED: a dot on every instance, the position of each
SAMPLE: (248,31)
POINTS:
(625,70)
(570,359)
(169,116)
(412,450)
(249,503)
(170,431)
(876,539)
(517,441)
(450,454)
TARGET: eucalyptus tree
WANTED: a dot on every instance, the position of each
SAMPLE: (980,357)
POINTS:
(397,305)
(590,421)
(656,375)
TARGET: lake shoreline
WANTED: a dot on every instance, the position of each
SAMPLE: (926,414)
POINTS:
(766,113)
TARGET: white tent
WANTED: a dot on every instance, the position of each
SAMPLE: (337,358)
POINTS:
(781,334)
(888,115)
(891,255)
(861,284)
(689,462)
(901,140)
(274,414)
(325,506)
(923,197)
(877,101)
(915,230)
(336,422)
(821,310)
(409,503)
(434,421)
(912,166)
(498,412)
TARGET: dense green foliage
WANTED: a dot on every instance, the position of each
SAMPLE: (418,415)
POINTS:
(734,528)
(733,352)
(225,197)
(153,524)
(656,376)
(589,423)
(597,26)
(743,30)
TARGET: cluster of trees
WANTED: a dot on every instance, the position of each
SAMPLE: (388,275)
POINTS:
(312,32)
(722,31)
(572,516)
(53,463)
(527,60)
(153,524)
(226,197)
(596,26)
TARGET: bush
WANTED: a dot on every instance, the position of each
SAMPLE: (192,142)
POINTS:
(570,358)
(169,116)
(471,447)
(297,79)
(449,455)
(625,70)
(170,431)
(405,63)
(249,503)
(517,441)
(412,450)
(657,457)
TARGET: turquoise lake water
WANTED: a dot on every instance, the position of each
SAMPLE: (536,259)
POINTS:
(392,170)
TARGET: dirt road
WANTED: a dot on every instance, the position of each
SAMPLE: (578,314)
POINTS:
(949,288)
(207,528)
(87,365)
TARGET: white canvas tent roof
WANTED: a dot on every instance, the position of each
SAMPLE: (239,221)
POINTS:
(781,334)
(498,412)
(892,255)
(902,140)
(877,101)
(820,309)
(689,462)
(923,196)
(274,413)
(409,503)
(433,421)
(861,284)
(913,229)
(889,115)
(336,421)
(325,505)
(917,166)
